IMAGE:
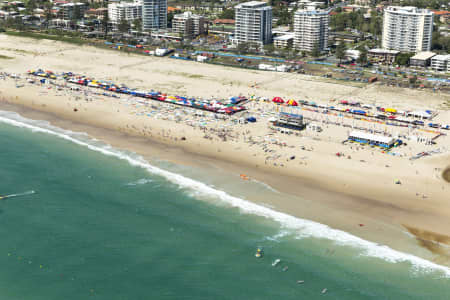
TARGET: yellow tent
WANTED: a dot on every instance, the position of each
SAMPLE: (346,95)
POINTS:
(390,110)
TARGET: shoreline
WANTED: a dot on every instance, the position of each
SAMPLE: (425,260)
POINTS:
(375,229)
(341,191)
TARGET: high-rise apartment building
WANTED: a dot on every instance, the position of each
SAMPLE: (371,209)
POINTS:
(128,11)
(154,14)
(253,22)
(311,29)
(407,29)
(188,24)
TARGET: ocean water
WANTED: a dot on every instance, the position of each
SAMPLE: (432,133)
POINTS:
(104,224)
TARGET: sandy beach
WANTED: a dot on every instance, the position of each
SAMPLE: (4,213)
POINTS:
(358,187)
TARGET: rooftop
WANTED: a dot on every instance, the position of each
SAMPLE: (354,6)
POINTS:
(73,4)
(312,12)
(441,57)
(252,4)
(423,55)
(441,12)
(172,9)
(284,37)
(383,51)
(408,10)
(224,21)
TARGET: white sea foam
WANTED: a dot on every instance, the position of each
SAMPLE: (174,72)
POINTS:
(303,228)
(265,185)
(140,182)
(278,236)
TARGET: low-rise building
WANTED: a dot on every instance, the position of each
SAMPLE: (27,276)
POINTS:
(338,37)
(382,56)
(442,15)
(224,22)
(97,13)
(352,54)
(283,41)
(441,63)
(421,59)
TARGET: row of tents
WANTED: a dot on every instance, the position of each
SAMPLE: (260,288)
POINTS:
(229,106)
(425,114)
(394,115)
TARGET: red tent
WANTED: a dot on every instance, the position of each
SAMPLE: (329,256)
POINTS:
(278,100)
(292,102)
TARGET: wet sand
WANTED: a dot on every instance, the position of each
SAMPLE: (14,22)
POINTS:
(357,195)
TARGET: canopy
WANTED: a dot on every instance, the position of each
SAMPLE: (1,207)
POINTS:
(278,100)
(420,114)
(391,110)
(292,102)
(372,137)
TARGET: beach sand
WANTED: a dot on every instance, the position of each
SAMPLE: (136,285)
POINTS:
(337,191)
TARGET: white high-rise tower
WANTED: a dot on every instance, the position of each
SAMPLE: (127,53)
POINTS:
(154,14)
(407,29)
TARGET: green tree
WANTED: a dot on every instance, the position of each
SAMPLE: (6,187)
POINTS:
(340,51)
(123,26)
(403,58)
(76,14)
(243,48)
(105,20)
(30,6)
(315,51)
(227,14)
(283,15)
(413,80)
(362,59)
(137,24)
(170,19)
(269,49)
(48,12)
(375,24)
(435,41)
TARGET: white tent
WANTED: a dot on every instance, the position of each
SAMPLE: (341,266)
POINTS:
(420,114)
(379,139)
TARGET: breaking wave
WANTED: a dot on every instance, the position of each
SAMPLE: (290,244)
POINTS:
(303,228)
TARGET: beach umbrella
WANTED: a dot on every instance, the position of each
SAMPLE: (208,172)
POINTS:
(292,102)
(278,100)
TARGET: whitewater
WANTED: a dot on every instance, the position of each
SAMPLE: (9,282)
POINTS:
(301,227)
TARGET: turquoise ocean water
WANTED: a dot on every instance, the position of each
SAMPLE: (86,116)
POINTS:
(103,224)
